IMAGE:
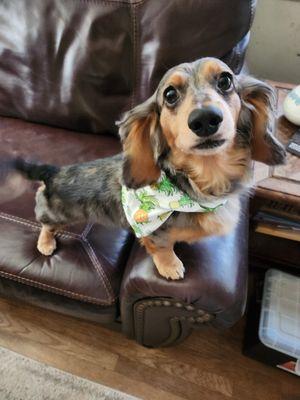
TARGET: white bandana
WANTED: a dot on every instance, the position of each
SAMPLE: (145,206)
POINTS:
(147,208)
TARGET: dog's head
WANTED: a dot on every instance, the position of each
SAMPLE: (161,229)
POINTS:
(199,109)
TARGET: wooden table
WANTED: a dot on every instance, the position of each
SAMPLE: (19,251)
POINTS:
(281,183)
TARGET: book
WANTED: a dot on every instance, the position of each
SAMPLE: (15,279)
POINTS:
(279,220)
(284,210)
(284,233)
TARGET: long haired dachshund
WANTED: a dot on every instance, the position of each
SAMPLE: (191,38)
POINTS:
(201,128)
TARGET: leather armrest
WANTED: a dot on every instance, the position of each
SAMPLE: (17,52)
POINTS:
(215,282)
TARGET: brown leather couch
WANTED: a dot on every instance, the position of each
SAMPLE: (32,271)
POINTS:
(68,68)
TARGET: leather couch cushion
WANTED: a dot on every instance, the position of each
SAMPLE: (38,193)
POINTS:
(79,63)
(89,261)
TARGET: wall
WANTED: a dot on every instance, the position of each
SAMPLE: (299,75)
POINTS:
(274,50)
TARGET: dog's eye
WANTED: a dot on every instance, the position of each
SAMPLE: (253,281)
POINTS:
(225,82)
(171,95)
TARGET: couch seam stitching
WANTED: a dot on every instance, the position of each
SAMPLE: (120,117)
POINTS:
(36,226)
(91,254)
(134,55)
(54,289)
(86,231)
(111,2)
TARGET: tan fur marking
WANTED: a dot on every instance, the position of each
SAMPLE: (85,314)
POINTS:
(177,80)
(149,245)
(173,126)
(41,188)
(46,242)
(137,147)
(209,69)
(167,263)
(169,136)
(213,174)
(205,225)
(90,171)
(235,107)
(188,234)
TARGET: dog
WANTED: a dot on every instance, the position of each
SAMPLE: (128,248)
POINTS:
(196,135)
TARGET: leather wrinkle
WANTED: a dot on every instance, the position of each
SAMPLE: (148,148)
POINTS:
(86,245)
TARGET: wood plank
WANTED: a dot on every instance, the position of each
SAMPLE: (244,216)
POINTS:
(281,197)
(281,85)
(289,188)
(207,366)
(178,385)
(50,340)
(277,232)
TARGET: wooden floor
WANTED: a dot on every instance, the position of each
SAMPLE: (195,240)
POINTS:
(209,365)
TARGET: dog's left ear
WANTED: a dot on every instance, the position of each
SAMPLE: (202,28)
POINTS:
(257,118)
(141,137)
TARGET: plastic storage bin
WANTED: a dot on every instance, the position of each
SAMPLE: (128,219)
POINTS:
(279,325)
(272,333)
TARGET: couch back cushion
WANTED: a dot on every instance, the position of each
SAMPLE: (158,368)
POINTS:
(78,64)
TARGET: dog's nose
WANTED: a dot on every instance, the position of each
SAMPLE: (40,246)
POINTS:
(205,121)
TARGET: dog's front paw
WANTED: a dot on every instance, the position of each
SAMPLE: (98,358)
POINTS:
(173,270)
(47,247)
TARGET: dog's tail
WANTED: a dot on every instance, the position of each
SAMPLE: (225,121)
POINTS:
(34,171)
(12,185)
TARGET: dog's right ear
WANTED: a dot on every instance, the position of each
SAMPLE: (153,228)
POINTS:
(140,134)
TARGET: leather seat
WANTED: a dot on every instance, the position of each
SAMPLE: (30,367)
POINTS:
(89,261)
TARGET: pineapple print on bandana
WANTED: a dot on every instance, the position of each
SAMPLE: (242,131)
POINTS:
(147,208)
(148,202)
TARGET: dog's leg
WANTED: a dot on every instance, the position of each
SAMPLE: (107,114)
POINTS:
(167,263)
(46,243)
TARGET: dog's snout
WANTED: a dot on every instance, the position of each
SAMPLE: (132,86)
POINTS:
(205,121)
